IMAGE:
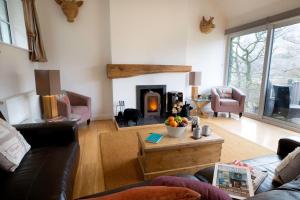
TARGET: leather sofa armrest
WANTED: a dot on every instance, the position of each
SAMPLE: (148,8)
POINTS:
(49,134)
(287,145)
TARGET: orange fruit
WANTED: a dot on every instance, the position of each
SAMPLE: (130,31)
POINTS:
(173,123)
(171,119)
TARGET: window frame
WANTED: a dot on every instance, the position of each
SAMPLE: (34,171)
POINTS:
(8,23)
(266,69)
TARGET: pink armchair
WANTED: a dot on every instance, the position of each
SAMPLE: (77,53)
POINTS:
(75,104)
(227,99)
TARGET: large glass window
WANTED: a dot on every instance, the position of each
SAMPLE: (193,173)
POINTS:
(283,91)
(267,62)
(246,60)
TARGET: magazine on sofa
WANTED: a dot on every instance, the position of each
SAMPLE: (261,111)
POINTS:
(234,180)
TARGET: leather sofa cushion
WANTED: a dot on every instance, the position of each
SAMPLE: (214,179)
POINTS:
(290,191)
(44,173)
(264,163)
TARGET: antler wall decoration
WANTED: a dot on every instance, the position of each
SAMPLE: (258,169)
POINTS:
(70,8)
(206,26)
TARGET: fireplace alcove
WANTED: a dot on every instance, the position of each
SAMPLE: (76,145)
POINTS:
(151,100)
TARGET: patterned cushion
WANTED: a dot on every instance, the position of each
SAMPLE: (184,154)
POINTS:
(225,92)
(13,147)
(289,168)
(64,98)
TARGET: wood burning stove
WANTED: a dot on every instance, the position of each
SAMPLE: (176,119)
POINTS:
(151,100)
(152,104)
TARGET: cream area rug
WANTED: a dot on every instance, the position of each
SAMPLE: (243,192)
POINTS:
(119,154)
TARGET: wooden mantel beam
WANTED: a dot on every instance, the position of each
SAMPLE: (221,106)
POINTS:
(129,70)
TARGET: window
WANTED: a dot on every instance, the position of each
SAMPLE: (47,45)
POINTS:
(265,65)
(283,91)
(12,24)
(5,33)
(246,61)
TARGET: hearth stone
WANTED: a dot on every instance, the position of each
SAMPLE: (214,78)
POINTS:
(142,121)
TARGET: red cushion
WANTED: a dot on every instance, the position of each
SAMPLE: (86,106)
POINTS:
(207,191)
(153,193)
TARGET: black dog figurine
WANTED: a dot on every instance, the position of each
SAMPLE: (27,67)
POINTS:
(185,111)
(131,114)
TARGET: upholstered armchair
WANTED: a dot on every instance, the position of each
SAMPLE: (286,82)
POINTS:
(71,104)
(227,99)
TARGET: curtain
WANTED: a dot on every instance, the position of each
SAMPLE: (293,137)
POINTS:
(35,43)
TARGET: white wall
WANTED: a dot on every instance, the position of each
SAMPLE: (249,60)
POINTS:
(206,52)
(80,50)
(165,32)
(148,32)
(16,71)
(239,12)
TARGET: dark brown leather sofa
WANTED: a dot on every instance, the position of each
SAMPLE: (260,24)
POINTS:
(267,190)
(47,171)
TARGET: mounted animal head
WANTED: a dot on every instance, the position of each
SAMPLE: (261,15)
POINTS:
(206,26)
(70,8)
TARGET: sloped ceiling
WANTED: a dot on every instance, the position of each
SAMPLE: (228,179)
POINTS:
(238,12)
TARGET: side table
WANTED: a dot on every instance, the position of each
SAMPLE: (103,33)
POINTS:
(201,103)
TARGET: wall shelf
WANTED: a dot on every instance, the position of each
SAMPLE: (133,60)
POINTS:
(129,70)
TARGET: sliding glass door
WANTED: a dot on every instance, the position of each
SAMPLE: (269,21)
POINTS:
(246,61)
(282,100)
(265,64)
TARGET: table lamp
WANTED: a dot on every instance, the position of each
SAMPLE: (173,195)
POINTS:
(195,81)
(48,86)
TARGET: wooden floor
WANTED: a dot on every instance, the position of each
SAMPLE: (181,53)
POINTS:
(89,179)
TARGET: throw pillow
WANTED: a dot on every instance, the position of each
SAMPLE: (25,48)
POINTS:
(153,193)
(64,98)
(13,147)
(207,191)
(289,168)
(225,93)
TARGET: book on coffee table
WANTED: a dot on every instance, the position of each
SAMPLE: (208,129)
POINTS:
(154,138)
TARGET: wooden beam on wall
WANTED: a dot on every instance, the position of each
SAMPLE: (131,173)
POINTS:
(281,16)
(129,70)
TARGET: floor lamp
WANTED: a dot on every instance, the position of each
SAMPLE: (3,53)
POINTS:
(195,81)
(48,86)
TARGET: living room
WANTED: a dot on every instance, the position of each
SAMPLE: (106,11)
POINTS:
(86,83)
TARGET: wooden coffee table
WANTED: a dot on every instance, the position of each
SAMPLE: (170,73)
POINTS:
(178,155)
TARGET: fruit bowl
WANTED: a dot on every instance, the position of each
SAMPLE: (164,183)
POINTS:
(176,132)
(176,126)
